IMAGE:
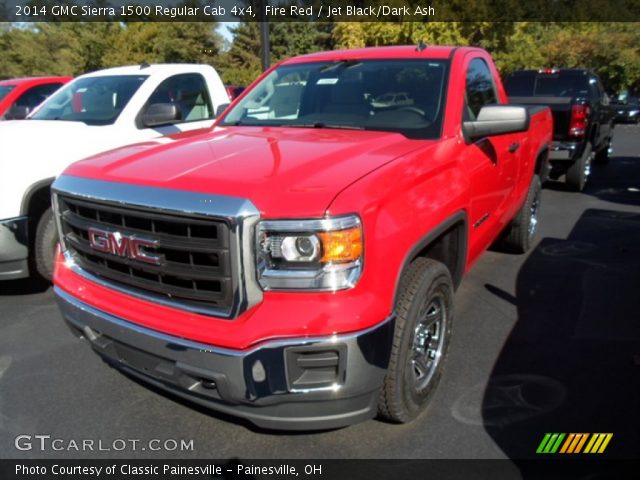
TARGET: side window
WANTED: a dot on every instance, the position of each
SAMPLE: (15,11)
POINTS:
(189,92)
(604,98)
(36,95)
(480,90)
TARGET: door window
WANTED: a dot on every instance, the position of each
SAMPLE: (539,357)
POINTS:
(189,92)
(36,95)
(480,90)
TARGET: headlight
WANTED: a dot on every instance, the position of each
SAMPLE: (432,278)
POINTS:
(321,254)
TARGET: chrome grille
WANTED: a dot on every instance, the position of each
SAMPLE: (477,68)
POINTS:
(196,264)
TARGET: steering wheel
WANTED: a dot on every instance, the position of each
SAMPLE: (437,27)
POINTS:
(412,109)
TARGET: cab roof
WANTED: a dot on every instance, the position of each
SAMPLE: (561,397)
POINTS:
(152,69)
(402,51)
(12,82)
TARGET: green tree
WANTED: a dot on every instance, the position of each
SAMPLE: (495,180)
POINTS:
(72,48)
(169,42)
(241,64)
(36,51)
(610,49)
(370,34)
(65,48)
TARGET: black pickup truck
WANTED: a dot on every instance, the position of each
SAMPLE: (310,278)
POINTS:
(582,117)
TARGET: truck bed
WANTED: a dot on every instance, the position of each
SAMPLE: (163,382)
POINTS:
(560,109)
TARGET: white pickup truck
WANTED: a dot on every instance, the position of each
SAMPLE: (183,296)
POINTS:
(94,113)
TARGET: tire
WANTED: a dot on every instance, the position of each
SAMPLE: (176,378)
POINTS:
(45,245)
(423,329)
(602,156)
(524,225)
(578,173)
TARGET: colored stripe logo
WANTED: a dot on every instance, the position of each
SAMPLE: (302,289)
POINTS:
(574,443)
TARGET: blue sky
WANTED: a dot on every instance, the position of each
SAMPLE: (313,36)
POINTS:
(224,30)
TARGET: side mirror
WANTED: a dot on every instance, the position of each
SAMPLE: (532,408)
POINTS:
(17,112)
(221,108)
(497,120)
(158,114)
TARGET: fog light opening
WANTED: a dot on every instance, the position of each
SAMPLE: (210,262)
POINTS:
(208,384)
(258,373)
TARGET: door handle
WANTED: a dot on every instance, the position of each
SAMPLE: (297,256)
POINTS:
(514,146)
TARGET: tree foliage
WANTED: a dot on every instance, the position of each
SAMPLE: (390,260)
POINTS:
(72,48)
(172,42)
(373,34)
(611,49)
(241,64)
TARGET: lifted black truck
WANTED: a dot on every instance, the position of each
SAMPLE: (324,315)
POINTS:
(582,117)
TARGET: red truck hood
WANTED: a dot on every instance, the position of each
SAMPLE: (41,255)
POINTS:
(283,171)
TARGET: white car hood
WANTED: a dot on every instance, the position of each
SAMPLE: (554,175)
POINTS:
(33,150)
(43,142)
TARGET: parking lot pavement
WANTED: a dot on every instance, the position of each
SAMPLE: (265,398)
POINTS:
(547,342)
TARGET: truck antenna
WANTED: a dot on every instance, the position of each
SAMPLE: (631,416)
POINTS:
(421,46)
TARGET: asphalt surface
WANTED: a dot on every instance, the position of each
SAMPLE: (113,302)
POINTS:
(545,342)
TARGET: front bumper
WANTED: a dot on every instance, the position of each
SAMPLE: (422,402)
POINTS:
(14,248)
(294,384)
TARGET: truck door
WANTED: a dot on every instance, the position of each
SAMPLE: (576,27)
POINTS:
(492,162)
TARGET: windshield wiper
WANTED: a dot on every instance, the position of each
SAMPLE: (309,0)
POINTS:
(293,125)
(242,123)
(323,125)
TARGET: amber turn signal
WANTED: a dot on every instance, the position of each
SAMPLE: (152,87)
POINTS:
(341,246)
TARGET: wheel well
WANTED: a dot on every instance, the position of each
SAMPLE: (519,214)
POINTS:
(541,161)
(450,249)
(446,244)
(38,201)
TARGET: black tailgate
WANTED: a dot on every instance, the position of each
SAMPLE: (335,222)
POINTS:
(560,110)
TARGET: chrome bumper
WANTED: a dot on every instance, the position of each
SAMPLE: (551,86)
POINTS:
(563,151)
(297,384)
(14,248)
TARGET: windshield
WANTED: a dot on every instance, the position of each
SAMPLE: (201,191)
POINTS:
(92,100)
(5,89)
(561,84)
(405,96)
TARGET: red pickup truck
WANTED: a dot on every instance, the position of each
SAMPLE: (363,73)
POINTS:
(296,266)
(20,96)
